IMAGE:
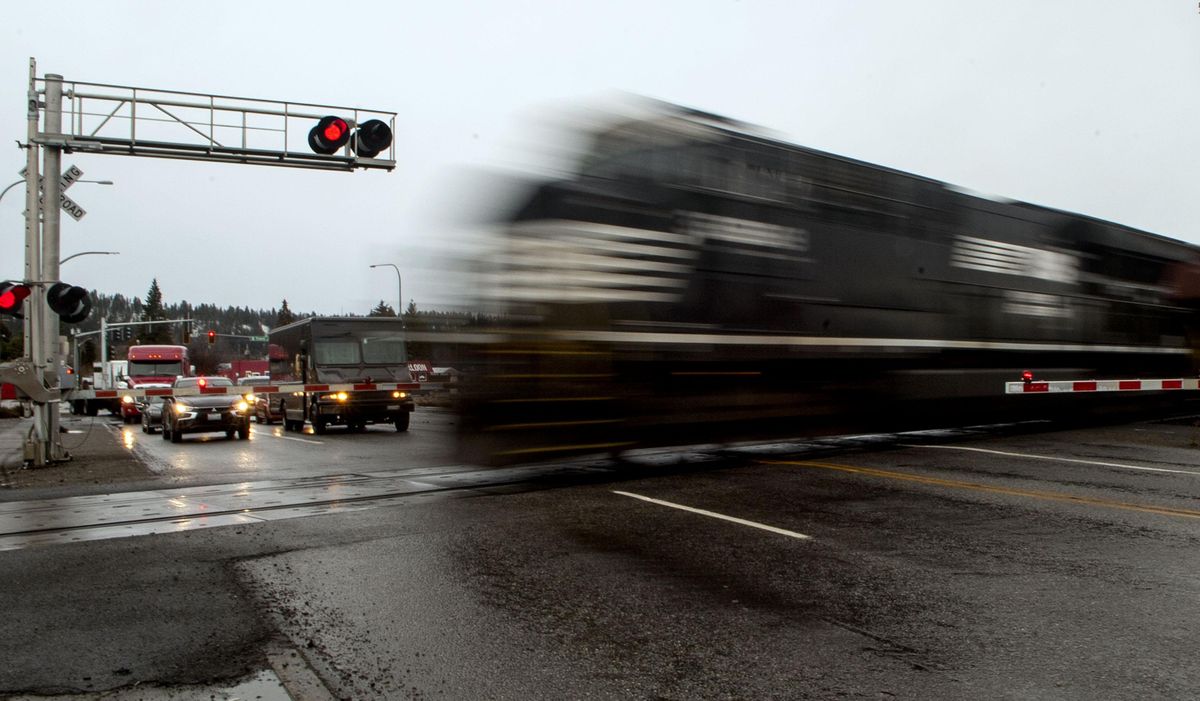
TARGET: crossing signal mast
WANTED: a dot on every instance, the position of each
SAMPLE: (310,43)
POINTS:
(101,118)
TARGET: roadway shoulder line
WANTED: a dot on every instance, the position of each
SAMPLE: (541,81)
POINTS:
(711,514)
(1051,457)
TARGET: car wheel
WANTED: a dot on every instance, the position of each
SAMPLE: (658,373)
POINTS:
(175,435)
(243,432)
(166,433)
(402,421)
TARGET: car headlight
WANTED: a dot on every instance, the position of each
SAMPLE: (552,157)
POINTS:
(249,397)
(336,397)
(182,408)
(399,395)
(241,406)
(127,399)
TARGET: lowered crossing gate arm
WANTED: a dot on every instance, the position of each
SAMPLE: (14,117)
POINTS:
(24,376)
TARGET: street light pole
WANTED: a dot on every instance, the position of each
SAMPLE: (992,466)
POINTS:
(399,286)
(19,182)
(89,253)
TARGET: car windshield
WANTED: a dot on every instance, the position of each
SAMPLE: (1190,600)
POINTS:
(143,368)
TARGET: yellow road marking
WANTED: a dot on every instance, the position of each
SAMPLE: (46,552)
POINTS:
(957,484)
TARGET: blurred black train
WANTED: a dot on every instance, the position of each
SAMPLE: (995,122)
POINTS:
(696,282)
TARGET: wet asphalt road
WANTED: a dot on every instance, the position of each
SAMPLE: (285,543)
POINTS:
(1049,565)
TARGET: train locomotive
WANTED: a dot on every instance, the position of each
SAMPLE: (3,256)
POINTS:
(695,281)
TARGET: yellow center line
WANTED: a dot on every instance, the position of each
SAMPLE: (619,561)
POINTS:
(957,484)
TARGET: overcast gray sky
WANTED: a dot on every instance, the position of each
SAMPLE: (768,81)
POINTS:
(1089,106)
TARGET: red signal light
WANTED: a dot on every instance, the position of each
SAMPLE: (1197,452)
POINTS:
(329,135)
(335,129)
(1027,377)
(212,336)
(12,296)
(202,383)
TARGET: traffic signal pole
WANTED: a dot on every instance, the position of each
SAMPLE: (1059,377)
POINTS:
(41,266)
(51,249)
(36,446)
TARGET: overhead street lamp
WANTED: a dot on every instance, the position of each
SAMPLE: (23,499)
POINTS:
(22,181)
(89,253)
(2,194)
(399,286)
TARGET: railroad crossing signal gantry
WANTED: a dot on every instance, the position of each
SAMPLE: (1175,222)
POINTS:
(65,116)
(136,121)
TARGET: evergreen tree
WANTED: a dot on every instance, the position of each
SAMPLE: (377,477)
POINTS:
(382,309)
(285,315)
(153,311)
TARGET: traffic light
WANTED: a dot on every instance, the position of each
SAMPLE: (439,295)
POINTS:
(12,297)
(372,137)
(332,133)
(70,302)
(212,337)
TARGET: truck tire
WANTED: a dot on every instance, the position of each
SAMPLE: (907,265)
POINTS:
(319,425)
(402,421)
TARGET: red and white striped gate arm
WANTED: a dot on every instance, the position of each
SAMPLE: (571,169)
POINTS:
(240,389)
(1080,386)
